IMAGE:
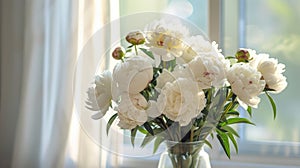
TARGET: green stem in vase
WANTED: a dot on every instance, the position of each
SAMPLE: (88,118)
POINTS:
(179,133)
(192,134)
(184,155)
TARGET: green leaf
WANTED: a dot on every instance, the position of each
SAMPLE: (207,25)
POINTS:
(171,64)
(208,143)
(157,142)
(230,106)
(147,139)
(148,128)
(130,46)
(110,121)
(133,134)
(223,139)
(142,130)
(235,113)
(272,103)
(149,53)
(249,109)
(231,137)
(238,120)
(230,130)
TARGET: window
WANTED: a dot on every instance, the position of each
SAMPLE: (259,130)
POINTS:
(267,26)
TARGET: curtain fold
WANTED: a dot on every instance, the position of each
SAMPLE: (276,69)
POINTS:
(46,97)
(40,43)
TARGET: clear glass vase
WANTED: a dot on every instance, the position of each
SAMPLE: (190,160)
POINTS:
(184,155)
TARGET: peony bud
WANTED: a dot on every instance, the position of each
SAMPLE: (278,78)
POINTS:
(135,38)
(242,56)
(118,53)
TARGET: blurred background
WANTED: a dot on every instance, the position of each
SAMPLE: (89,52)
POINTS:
(42,42)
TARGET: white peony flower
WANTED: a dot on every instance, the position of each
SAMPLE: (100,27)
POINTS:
(131,110)
(133,75)
(209,70)
(246,83)
(180,71)
(100,96)
(181,100)
(164,38)
(271,72)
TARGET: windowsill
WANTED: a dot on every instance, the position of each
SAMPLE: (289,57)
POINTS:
(233,164)
(219,163)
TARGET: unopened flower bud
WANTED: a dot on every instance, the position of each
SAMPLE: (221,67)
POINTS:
(242,56)
(135,38)
(118,53)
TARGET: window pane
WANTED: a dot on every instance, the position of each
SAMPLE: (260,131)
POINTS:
(194,11)
(273,26)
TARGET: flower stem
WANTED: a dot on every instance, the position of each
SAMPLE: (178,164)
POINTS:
(179,133)
(229,95)
(164,63)
(167,128)
(192,134)
(135,48)
(230,105)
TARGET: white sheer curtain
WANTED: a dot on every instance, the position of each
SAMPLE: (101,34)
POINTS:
(40,42)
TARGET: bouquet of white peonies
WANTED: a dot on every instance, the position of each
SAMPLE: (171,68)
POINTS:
(170,85)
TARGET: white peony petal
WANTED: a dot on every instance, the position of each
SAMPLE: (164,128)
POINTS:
(246,83)
(164,77)
(165,38)
(131,111)
(271,71)
(98,116)
(132,76)
(153,111)
(99,97)
(209,70)
(92,101)
(181,100)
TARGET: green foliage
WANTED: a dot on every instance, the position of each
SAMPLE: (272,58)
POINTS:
(223,139)
(230,130)
(231,137)
(157,143)
(208,143)
(149,53)
(147,139)
(133,134)
(110,121)
(148,128)
(249,110)
(236,121)
(142,130)
(272,104)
